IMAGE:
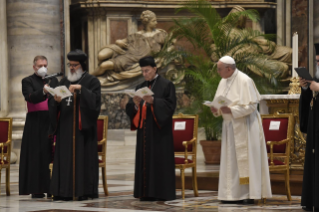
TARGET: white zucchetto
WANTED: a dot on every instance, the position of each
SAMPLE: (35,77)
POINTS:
(227,60)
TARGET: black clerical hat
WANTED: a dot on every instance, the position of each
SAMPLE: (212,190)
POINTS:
(147,61)
(77,55)
(317,48)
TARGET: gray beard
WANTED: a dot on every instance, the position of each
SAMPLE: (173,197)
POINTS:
(76,76)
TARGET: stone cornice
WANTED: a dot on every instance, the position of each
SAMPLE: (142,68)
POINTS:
(167,4)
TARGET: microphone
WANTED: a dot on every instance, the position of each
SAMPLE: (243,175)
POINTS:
(53,75)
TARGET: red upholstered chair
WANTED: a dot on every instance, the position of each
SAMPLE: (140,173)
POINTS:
(278,144)
(5,149)
(185,129)
(102,125)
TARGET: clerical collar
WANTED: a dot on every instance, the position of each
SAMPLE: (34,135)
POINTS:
(233,75)
(37,75)
(40,78)
(152,81)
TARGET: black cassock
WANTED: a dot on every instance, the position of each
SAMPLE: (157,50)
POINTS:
(309,123)
(154,164)
(88,103)
(35,155)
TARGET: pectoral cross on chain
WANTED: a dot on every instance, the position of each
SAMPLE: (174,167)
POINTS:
(69,100)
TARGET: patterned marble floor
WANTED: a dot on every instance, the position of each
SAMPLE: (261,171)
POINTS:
(120,176)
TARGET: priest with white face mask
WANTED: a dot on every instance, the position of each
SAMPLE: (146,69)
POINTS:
(87,106)
(35,155)
(244,171)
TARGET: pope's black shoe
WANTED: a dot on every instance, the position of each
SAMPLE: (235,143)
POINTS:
(306,208)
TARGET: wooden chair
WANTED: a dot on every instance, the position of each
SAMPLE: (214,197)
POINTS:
(102,125)
(5,149)
(278,145)
(185,128)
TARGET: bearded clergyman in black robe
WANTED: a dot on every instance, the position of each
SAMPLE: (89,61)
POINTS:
(88,104)
(35,155)
(309,123)
(152,117)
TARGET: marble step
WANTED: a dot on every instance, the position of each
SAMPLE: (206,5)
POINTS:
(17,134)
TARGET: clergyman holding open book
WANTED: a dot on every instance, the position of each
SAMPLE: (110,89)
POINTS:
(151,116)
(244,171)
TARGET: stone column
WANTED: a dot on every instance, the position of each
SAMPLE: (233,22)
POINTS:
(316,22)
(281,22)
(97,36)
(288,24)
(311,49)
(33,29)
(4,106)
(67,43)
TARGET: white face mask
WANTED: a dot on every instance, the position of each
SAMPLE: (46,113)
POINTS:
(42,71)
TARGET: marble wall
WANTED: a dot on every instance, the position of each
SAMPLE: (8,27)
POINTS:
(33,28)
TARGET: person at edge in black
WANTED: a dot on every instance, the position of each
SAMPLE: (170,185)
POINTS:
(152,117)
(88,104)
(309,123)
(35,155)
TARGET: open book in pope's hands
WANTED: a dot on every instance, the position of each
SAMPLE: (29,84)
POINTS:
(61,91)
(145,91)
(218,102)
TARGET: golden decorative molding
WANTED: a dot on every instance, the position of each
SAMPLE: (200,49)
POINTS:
(294,86)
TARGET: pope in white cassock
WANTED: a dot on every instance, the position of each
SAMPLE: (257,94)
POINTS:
(244,171)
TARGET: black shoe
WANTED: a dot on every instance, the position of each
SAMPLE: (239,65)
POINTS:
(49,195)
(37,195)
(248,202)
(232,202)
(82,198)
(148,199)
(67,198)
(306,208)
(57,198)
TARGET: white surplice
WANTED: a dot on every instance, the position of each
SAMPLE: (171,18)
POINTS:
(244,171)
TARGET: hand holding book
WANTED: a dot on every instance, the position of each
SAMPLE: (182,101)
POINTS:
(60,91)
(145,91)
(218,102)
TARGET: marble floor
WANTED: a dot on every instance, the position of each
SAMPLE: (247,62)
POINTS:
(120,176)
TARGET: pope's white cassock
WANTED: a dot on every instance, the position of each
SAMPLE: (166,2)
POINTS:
(244,171)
